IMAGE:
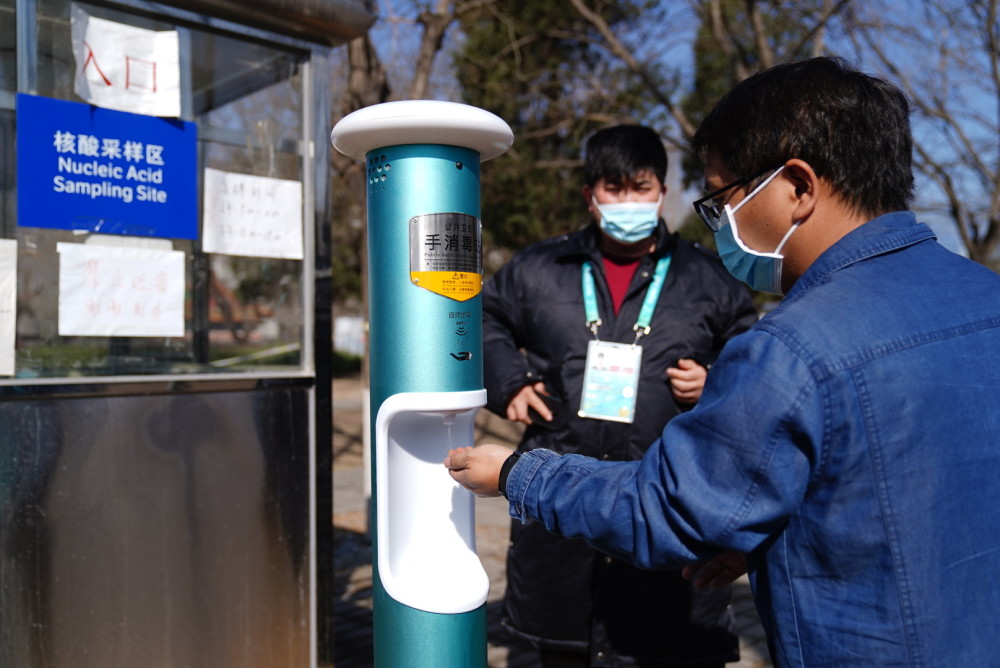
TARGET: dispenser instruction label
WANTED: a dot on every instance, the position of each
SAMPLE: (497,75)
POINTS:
(446,254)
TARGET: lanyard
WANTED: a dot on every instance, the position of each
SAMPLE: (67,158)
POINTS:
(641,326)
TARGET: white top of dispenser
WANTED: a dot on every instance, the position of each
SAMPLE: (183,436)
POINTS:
(421,122)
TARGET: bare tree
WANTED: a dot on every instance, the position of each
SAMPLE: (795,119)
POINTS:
(618,48)
(368,83)
(945,54)
(435,24)
(946,57)
(751,34)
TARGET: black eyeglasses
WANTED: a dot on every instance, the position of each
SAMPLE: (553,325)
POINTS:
(711,211)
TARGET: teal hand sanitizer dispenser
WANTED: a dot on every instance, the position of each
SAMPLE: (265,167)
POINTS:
(422,159)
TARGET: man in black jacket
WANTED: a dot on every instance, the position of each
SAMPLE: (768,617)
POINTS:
(595,340)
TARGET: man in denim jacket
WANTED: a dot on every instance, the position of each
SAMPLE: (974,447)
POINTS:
(849,443)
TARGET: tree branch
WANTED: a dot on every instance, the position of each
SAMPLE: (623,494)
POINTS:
(619,50)
(764,51)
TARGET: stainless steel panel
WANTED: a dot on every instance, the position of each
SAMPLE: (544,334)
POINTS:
(158,531)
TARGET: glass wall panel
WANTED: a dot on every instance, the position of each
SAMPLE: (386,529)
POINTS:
(8,86)
(242,313)
(8,47)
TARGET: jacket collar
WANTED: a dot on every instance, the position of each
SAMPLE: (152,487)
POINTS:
(878,236)
(584,244)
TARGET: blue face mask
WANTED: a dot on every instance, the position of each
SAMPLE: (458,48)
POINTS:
(761,271)
(629,222)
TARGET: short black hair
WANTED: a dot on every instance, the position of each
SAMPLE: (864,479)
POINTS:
(853,129)
(618,153)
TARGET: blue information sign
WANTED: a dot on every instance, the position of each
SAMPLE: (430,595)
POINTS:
(80,167)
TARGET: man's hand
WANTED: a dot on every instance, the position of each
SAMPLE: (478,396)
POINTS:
(687,380)
(478,469)
(517,408)
(718,571)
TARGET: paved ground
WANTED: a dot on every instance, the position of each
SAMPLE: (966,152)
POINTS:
(352,551)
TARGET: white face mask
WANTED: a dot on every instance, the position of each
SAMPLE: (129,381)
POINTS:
(761,271)
(629,222)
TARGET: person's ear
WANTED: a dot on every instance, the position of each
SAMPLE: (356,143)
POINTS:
(804,188)
(588,196)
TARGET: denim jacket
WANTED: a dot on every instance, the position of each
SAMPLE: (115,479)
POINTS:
(849,444)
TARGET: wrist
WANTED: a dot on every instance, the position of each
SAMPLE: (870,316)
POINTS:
(505,472)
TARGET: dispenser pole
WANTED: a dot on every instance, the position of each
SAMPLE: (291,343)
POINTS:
(422,161)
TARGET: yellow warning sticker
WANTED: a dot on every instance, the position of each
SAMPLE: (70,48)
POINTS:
(457,285)
(446,254)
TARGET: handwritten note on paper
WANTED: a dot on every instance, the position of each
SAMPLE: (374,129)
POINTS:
(252,215)
(122,67)
(120,291)
(8,304)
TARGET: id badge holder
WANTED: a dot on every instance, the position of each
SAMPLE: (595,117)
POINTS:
(611,381)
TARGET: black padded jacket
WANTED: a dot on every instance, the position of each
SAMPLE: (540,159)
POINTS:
(562,594)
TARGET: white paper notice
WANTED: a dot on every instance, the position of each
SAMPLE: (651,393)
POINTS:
(120,291)
(252,215)
(8,304)
(126,68)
